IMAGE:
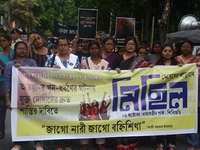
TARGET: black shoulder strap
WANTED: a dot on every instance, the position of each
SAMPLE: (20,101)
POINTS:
(87,63)
(53,60)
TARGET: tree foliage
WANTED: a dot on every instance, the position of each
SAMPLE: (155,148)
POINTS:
(41,13)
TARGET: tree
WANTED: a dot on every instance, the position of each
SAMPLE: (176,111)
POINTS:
(164,22)
(21,11)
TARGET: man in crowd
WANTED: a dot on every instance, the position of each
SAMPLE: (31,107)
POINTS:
(15,34)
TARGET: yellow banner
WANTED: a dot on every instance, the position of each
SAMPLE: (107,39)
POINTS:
(69,104)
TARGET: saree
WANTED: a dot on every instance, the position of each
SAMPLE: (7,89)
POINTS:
(133,63)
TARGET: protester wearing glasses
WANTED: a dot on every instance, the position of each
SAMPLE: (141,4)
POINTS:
(19,59)
(186,50)
(107,54)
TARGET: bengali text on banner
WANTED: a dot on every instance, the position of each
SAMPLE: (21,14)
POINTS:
(49,103)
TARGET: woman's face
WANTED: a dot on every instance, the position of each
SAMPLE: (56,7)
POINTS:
(94,50)
(85,44)
(4,43)
(198,56)
(167,53)
(63,46)
(121,51)
(109,46)
(54,51)
(38,41)
(157,48)
(143,53)
(130,46)
(21,50)
(186,48)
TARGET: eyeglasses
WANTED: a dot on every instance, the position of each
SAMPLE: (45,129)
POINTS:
(21,48)
(61,45)
(3,41)
(143,53)
(186,46)
(109,44)
(198,54)
(130,44)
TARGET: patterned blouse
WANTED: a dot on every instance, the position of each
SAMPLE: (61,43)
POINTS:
(65,63)
(193,59)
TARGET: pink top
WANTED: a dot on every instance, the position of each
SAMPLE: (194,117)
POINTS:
(103,65)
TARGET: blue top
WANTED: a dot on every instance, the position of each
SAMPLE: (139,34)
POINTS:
(4,60)
(8,72)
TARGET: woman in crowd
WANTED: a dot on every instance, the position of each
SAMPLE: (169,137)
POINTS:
(121,51)
(107,54)
(63,60)
(37,52)
(52,48)
(167,59)
(155,52)
(94,63)
(20,59)
(186,50)
(84,53)
(176,48)
(5,57)
(129,61)
(142,52)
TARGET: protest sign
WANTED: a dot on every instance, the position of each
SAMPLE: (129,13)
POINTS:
(87,23)
(125,27)
(61,29)
(60,104)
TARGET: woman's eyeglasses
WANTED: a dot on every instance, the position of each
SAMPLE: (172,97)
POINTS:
(130,44)
(143,53)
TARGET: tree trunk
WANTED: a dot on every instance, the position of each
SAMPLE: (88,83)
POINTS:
(164,22)
(147,21)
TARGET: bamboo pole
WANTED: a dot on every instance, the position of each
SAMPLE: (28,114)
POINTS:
(152,30)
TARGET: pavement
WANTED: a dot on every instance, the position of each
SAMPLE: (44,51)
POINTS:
(146,143)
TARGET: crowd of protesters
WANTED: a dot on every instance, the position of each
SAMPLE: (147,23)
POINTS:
(98,54)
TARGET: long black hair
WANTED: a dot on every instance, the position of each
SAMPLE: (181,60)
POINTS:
(15,48)
(161,60)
